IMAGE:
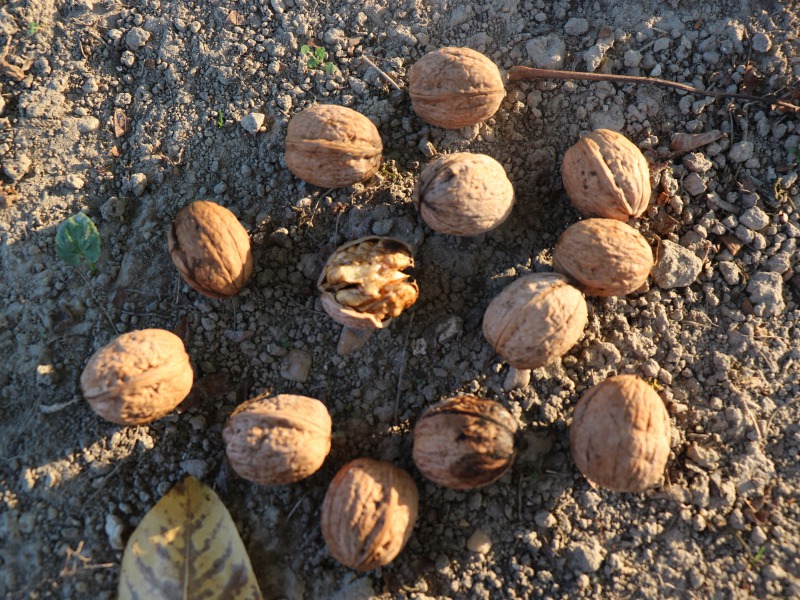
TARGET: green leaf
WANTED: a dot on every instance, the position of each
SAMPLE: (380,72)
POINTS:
(329,68)
(320,54)
(77,237)
(313,63)
(305,49)
(187,547)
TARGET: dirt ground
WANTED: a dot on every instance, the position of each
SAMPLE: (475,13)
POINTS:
(129,112)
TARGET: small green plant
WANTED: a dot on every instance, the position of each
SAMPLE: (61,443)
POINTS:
(77,238)
(795,154)
(316,57)
(220,118)
(33,28)
(760,554)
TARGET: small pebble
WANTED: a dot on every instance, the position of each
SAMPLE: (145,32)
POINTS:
(694,184)
(676,267)
(761,43)
(765,291)
(754,218)
(296,365)
(479,542)
(576,26)
(115,527)
(741,151)
(136,38)
(252,122)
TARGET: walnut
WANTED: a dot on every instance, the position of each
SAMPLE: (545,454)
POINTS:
(604,257)
(138,377)
(606,175)
(277,440)
(464,442)
(455,87)
(211,249)
(332,146)
(535,320)
(464,194)
(363,285)
(620,434)
(368,513)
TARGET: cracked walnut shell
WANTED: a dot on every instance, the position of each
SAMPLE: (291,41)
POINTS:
(211,249)
(455,87)
(535,320)
(620,434)
(277,440)
(138,377)
(332,146)
(368,513)
(604,257)
(463,194)
(464,442)
(606,175)
(363,284)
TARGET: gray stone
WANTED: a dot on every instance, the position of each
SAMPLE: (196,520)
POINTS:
(676,267)
(694,184)
(136,38)
(741,151)
(547,52)
(632,58)
(730,272)
(744,234)
(115,527)
(16,167)
(576,26)
(127,59)
(765,291)
(761,42)
(252,122)
(587,557)
(754,218)
(296,365)
(697,162)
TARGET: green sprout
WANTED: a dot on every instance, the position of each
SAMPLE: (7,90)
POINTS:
(760,554)
(77,238)
(33,28)
(220,118)
(316,58)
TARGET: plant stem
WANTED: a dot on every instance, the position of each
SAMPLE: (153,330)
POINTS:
(529,73)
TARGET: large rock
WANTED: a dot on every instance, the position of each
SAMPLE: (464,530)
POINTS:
(676,266)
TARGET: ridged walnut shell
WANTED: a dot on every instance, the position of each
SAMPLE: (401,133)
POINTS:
(464,194)
(363,284)
(368,513)
(455,87)
(138,377)
(277,440)
(535,320)
(620,434)
(604,257)
(464,442)
(211,249)
(332,146)
(606,175)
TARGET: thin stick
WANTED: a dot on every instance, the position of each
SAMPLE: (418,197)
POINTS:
(378,69)
(527,73)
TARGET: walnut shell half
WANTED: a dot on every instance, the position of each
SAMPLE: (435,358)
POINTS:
(211,249)
(605,257)
(332,146)
(535,320)
(455,87)
(138,377)
(277,440)
(464,194)
(606,175)
(464,442)
(363,284)
(620,434)
(368,513)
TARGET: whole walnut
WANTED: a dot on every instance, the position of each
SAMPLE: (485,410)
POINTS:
(606,175)
(368,513)
(604,257)
(620,434)
(455,87)
(332,146)
(464,442)
(463,194)
(211,249)
(363,284)
(138,377)
(535,320)
(277,440)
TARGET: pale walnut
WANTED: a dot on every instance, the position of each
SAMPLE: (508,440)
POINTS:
(620,434)
(280,439)
(464,442)
(211,249)
(138,377)
(455,87)
(604,257)
(363,284)
(332,146)
(535,320)
(368,513)
(606,175)
(464,194)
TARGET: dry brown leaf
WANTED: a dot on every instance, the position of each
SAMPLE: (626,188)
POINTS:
(120,122)
(235,17)
(187,546)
